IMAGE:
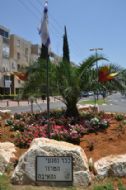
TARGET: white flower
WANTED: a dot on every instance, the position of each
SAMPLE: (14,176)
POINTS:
(1,173)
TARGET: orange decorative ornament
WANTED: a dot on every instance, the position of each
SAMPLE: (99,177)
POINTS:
(21,76)
(104,75)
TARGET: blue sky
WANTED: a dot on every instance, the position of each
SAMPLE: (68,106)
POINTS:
(90,24)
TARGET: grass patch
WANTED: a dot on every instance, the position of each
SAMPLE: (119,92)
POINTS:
(106,184)
(99,102)
(4,183)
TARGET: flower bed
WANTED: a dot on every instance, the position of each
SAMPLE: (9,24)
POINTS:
(27,126)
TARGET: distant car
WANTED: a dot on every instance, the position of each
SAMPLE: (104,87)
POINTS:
(84,94)
(91,93)
(102,93)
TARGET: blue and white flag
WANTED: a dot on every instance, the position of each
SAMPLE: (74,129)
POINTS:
(43,30)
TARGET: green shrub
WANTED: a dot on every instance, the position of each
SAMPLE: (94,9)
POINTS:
(109,186)
(94,121)
(119,117)
(87,115)
(103,124)
(11,97)
(9,122)
(124,121)
(17,116)
(121,187)
(104,187)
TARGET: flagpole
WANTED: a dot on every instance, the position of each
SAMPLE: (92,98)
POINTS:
(43,31)
(96,54)
(47,94)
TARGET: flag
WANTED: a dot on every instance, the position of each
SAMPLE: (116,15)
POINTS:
(43,30)
(104,74)
(21,76)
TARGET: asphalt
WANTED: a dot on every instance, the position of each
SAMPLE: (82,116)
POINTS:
(115,103)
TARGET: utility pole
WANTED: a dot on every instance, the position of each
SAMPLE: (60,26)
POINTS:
(96,53)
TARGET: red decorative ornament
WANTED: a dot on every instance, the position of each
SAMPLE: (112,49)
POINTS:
(104,75)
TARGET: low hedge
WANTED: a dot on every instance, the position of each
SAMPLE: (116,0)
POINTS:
(10,97)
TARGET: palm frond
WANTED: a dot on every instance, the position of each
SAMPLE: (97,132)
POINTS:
(90,62)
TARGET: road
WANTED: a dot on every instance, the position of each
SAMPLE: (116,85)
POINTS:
(115,103)
(36,107)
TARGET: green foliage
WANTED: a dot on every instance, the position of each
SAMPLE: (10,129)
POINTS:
(70,129)
(99,102)
(4,182)
(9,168)
(121,186)
(5,97)
(119,117)
(109,186)
(66,56)
(20,126)
(17,116)
(8,122)
(67,79)
(87,115)
(124,121)
(44,52)
(37,79)
(104,187)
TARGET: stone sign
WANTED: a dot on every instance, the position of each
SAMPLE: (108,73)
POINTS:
(54,168)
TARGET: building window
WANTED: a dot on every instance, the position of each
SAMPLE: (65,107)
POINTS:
(18,66)
(26,52)
(7,81)
(18,55)
(5,51)
(13,65)
(4,33)
(18,43)
(3,69)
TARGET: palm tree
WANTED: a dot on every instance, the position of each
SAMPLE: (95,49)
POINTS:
(73,79)
(65,78)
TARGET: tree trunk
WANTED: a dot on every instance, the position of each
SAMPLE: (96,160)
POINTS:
(72,110)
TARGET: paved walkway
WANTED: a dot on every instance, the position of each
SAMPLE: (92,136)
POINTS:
(10,103)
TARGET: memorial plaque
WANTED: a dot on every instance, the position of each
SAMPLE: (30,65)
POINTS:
(54,168)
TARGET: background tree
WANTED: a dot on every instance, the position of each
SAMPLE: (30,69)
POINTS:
(66,56)
(122,80)
(36,83)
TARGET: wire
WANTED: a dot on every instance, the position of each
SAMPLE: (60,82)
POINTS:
(27,8)
(56,28)
(60,29)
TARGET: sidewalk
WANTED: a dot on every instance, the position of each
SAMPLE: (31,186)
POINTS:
(10,103)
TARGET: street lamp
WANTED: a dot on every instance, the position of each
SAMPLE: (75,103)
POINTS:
(96,50)
(96,53)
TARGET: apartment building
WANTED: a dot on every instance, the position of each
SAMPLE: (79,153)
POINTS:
(16,53)
(35,52)
(4,60)
(20,56)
